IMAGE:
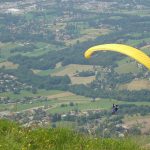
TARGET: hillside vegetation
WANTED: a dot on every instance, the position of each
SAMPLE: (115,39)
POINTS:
(45,79)
(15,137)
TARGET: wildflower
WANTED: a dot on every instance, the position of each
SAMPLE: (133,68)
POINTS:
(20,131)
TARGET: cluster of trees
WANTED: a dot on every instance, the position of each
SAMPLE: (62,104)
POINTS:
(112,79)
(132,109)
(25,75)
(72,30)
(123,95)
(43,62)
(70,104)
(20,28)
(85,73)
(123,26)
(7,36)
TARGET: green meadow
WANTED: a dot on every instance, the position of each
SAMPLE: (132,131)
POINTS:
(18,138)
(25,93)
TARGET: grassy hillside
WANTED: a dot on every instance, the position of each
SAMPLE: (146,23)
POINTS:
(15,137)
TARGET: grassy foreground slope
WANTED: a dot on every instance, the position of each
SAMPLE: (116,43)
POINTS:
(15,137)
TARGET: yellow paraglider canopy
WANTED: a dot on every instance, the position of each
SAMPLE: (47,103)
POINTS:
(124,49)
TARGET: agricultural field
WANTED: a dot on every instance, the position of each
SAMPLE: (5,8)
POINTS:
(136,85)
(55,99)
(8,65)
(49,71)
(70,70)
(25,93)
(88,104)
(127,68)
(8,49)
(5,50)
(88,34)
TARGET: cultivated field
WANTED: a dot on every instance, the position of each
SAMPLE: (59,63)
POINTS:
(8,65)
(88,34)
(25,93)
(70,70)
(136,85)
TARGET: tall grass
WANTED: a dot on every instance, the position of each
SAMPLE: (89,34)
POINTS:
(14,137)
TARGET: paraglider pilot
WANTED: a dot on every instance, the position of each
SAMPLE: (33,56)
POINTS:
(114,109)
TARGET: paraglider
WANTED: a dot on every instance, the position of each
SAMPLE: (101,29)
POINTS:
(115,109)
(132,52)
